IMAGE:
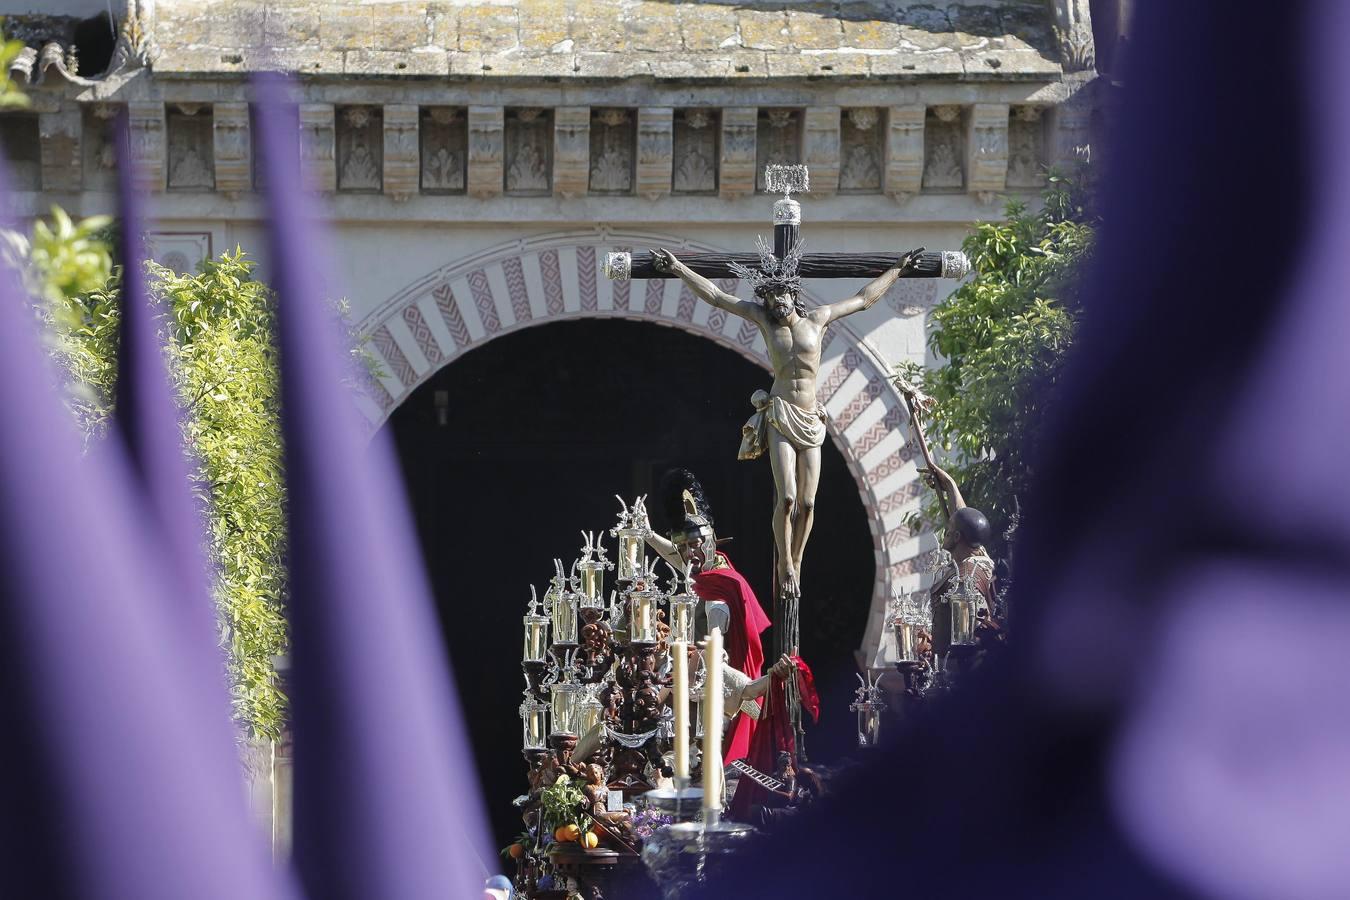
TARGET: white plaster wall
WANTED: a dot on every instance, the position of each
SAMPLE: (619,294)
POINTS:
(373,261)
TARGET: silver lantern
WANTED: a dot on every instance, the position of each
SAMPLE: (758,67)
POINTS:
(868,705)
(534,722)
(590,583)
(643,603)
(630,532)
(589,709)
(561,604)
(536,632)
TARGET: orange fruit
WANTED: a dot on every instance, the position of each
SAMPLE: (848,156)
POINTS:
(559,833)
(567,833)
(590,840)
(516,851)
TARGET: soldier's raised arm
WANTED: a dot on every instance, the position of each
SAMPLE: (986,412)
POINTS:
(665,261)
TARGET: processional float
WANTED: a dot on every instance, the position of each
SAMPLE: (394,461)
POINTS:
(616,709)
(785,264)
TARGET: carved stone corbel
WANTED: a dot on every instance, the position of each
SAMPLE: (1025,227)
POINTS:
(655,151)
(821,153)
(904,151)
(233,148)
(59,135)
(571,150)
(987,149)
(145,120)
(401,161)
(486,134)
(739,126)
(318,147)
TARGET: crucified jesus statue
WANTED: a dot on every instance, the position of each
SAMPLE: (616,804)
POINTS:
(789,422)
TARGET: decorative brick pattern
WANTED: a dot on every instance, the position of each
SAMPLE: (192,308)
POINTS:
(551,272)
(877,432)
(903,568)
(717,320)
(685,310)
(381,395)
(900,498)
(826,389)
(887,467)
(746,336)
(393,354)
(898,535)
(450,314)
(652,297)
(515,286)
(421,332)
(860,401)
(484,301)
(586,277)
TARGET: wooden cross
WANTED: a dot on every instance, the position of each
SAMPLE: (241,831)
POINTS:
(787,220)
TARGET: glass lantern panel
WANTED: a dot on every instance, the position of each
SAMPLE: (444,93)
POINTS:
(869,726)
(564,709)
(565,620)
(535,639)
(682,619)
(630,549)
(536,728)
(642,629)
(907,641)
(591,595)
(963,621)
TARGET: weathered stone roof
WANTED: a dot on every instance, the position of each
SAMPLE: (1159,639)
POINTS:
(590,39)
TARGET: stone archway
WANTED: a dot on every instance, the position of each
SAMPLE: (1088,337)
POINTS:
(556,277)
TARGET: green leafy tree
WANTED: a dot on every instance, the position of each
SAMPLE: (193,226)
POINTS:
(217,332)
(1002,338)
(224,363)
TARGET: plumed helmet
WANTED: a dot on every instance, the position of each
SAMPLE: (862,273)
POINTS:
(683,502)
(972,526)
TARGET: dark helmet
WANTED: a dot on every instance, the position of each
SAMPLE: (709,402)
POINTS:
(972,526)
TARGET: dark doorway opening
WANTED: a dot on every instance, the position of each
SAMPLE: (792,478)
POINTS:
(515,448)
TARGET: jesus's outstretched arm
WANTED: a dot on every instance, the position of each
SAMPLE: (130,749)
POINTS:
(874,291)
(704,289)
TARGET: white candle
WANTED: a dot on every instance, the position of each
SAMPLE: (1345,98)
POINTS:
(679,655)
(712,725)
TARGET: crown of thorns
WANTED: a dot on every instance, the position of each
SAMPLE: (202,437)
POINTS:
(773,273)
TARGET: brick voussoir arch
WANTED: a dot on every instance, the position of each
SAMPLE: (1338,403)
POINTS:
(558,277)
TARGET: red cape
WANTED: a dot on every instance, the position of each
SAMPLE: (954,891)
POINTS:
(745,650)
(773,734)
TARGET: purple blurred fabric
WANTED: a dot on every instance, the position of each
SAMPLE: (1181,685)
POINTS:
(118,783)
(387,800)
(1171,718)
(148,420)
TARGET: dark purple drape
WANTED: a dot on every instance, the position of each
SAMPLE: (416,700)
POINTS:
(386,796)
(120,773)
(1170,721)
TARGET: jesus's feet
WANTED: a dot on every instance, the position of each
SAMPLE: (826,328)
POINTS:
(787,584)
